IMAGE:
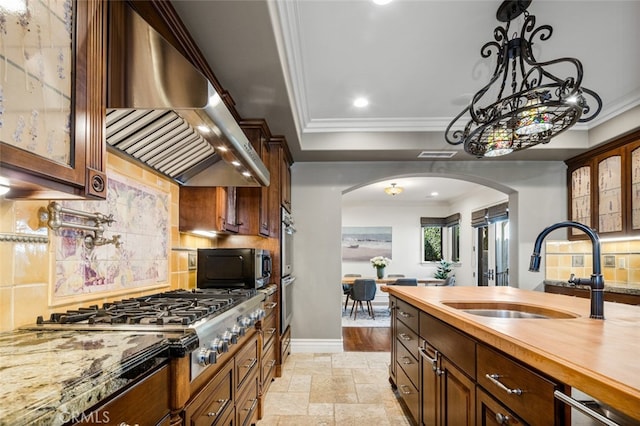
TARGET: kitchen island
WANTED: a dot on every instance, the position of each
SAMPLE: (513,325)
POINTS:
(597,357)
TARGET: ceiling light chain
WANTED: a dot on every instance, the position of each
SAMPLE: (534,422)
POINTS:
(544,106)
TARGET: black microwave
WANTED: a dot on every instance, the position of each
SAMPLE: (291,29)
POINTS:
(233,268)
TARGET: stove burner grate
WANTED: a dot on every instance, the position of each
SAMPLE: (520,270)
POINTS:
(172,307)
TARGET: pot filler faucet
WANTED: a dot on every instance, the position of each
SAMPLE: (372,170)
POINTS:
(596,282)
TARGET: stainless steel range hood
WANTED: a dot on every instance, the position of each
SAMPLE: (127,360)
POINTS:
(163,112)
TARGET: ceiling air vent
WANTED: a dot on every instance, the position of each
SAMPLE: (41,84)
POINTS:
(437,154)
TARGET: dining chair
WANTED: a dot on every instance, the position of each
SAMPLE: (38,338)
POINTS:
(451,280)
(363,290)
(346,289)
(406,281)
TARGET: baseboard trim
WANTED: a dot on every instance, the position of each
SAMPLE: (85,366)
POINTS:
(316,345)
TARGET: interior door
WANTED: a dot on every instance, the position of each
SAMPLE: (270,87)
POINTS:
(483,256)
(493,254)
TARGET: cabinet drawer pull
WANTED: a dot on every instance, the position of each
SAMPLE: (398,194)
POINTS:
(404,389)
(252,362)
(502,419)
(404,314)
(405,337)
(406,359)
(494,379)
(583,408)
(223,403)
(272,362)
(253,405)
(271,305)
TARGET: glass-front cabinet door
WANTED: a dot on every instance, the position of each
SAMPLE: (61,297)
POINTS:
(52,98)
(634,186)
(581,197)
(610,213)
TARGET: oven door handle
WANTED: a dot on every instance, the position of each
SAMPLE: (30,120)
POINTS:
(288,280)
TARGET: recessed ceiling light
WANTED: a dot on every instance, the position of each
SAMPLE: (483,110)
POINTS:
(361,102)
(434,194)
(382,2)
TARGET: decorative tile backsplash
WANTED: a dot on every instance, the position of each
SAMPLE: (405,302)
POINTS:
(620,261)
(141,216)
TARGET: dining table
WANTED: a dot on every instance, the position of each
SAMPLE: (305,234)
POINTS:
(421,281)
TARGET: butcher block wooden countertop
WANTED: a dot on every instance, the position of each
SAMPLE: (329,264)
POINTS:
(599,357)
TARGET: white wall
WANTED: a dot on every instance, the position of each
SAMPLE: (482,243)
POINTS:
(537,198)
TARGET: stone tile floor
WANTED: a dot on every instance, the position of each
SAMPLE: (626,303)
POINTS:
(333,389)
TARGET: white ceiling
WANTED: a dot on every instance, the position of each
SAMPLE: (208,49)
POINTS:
(300,64)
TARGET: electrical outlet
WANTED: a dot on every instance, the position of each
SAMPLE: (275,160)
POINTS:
(622,264)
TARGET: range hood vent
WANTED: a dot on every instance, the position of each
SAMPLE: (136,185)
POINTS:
(163,112)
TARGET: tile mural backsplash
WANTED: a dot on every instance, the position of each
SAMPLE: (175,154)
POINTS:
(141,216)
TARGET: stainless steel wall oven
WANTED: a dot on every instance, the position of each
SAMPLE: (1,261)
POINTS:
(286,270)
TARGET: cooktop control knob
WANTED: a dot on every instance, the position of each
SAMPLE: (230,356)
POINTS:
(246,321)
(230,336)
(257,315)
(218,345)
(207,356)
(238,330)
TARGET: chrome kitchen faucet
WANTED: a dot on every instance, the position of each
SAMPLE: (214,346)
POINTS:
(596,282)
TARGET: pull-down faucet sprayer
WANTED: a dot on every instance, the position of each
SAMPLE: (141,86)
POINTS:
(596,282)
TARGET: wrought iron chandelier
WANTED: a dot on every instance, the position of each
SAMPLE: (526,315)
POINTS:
(533,105)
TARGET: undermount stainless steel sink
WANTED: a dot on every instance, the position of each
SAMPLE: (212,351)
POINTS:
(509,310)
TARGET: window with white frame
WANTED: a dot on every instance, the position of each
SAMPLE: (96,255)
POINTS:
(440,238)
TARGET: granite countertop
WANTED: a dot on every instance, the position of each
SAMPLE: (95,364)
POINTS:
(598,357)
(48,377)
(613,288)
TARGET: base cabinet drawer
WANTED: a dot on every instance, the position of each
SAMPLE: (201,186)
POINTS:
(214,402)
(409,364)
(525,392)
(492,413)
(409,394)
(246,362)
(247,403)
(408,338)
(408,314)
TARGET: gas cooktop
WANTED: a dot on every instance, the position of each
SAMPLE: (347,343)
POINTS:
(177,307)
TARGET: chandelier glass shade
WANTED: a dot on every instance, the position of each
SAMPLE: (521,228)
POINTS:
(393,189)
(525,103)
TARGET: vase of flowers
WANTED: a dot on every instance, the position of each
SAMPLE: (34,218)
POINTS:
(380,262)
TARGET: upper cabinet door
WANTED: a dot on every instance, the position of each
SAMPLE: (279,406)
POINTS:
(580,196)
(633,157)
(610,193)
(51,134)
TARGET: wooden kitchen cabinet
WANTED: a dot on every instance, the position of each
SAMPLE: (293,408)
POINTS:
(145,402)
(209,209)
(35,173)
(247,366)
(523,391)
(448,374)
(492,413)
(254,214)
(214,402)
(281,161)
(406,355)
(460,381)
(604,188)
(268,344)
